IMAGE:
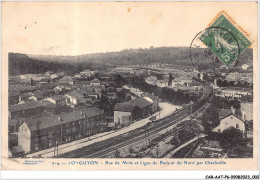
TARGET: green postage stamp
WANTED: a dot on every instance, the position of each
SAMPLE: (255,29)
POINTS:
(225,39)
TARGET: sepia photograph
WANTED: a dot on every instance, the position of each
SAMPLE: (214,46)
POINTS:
(129,80)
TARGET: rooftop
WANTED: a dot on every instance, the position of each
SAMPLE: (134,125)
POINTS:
(21,88)
(236,89)
(66,78)
(25,95)
(58,97)
(224,112)
(50,121)
(140,102)
(130,105)
(125,107)
(20,107)
(76,94)
(95,81)
(194,83)
(53,76)
(13,92)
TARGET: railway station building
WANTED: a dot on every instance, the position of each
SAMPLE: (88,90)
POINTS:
(133,110)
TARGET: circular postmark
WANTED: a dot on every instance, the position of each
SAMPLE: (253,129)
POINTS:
(214,49)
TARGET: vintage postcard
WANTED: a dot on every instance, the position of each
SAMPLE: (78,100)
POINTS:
(129,86)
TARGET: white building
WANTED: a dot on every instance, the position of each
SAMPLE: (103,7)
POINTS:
(124,70)
(59,100)
(95,82)
(151,80)
(74,97)
(233,92)
(162,83)
(181,80)
(230,121)
(86,73)
(245,66)
(54,76)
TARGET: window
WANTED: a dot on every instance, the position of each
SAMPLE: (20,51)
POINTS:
(50,134)
(219,130)
(50,143)
(237,125)
(36,140)
(42,138)
(36,147)
(73,124)
(74,129)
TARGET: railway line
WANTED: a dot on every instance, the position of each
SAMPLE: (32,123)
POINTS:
(120,144)
(104,147)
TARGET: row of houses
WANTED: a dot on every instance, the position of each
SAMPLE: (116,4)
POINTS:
(71,99)
(36,134)
(233,92)
(49,75)
(182,82)
(25,93)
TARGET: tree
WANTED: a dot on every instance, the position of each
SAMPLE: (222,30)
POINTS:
(210,119)
(231,83)
(236,104)
(117,154)
(241,148)
(119,80)
(231,137)
(219,83)
(245,84)
(225,83)
(131,150)
(170,80)
(174,141)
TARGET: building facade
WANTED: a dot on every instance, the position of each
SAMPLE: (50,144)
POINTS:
(133,110)
(46,132)
(230,121)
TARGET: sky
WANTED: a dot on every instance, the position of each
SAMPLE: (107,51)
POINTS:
(75,28)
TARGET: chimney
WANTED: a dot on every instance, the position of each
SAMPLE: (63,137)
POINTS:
(243,115)
(233,110)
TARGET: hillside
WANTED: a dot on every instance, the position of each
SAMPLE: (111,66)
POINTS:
(21,63)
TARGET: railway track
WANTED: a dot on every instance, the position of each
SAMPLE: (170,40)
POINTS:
(119,145)
(104,147)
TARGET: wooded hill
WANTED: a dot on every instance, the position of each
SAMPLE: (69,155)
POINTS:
(22,63)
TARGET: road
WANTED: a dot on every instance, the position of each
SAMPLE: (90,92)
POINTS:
(166,110)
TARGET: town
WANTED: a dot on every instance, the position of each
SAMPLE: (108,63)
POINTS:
(153,110)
